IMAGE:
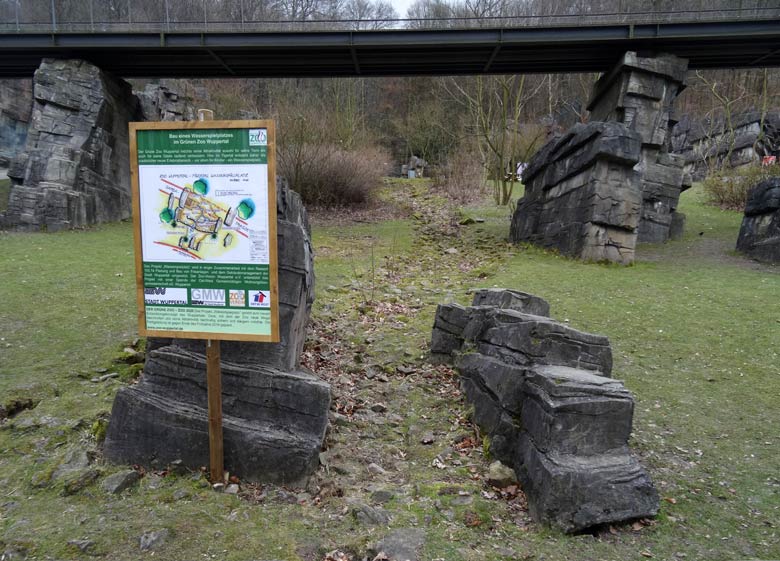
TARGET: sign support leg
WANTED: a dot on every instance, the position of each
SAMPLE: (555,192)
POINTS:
(214,388)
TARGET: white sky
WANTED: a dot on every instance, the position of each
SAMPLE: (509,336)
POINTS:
(401,6)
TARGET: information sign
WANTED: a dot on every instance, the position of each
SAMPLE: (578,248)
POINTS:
(204,212)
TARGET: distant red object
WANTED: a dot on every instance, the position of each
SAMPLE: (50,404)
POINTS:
(769,161)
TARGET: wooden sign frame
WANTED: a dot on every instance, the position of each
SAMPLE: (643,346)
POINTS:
(269,126)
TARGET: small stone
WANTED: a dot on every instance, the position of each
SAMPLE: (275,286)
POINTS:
(500,475)
(428,438)
(82,545)
(118,482)
(153,540)
(177,467)
(181,494)
(231,489)
(379,408)
(376,469)
(370,516)
(402,544)
(462,500)
(218,487)
(382,496)
(451,251)
(77,480)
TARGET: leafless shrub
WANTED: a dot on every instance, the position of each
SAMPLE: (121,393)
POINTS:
(729,188)
(326,175)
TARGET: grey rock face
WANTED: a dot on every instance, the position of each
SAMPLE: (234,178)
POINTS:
(275,415)
(15,110)
(640,92)
(759,235)
(542,392)
(582,195)
(711,143)
(74,169)
(511,300)
(161,103)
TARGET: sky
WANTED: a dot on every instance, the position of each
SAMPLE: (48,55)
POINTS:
(401,6)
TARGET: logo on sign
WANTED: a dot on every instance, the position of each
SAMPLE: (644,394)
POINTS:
(207,296)
(237,298)
(165,296)
(258,137)
(259,299)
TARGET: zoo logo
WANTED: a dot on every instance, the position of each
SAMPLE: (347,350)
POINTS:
(258,137)
(154,291)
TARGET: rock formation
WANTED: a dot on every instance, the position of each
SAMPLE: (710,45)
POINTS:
(582,195)
(711,144)
(74,170)
(15,111)
(543,394)
(583,184)
(759,235)
(275,415)
(640,92)
(161,103)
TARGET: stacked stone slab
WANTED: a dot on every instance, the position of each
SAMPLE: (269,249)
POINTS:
(275,415)
(74,169)
(759,235)
(15,112)
(712,144)
(542,392)
(640,92)
(582,195)
(161,103)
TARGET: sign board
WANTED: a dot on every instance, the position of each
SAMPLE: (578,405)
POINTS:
(204,213)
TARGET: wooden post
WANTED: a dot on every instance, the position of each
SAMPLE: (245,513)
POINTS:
(214,388)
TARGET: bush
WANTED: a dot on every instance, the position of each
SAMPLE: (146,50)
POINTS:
(729,188)
(461,178)
(326,175)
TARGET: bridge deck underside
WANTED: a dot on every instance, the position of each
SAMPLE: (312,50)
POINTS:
(397,53)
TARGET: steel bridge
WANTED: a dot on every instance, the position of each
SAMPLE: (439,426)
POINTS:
(243,48)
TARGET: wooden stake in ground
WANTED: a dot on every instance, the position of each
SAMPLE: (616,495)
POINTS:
(214,389)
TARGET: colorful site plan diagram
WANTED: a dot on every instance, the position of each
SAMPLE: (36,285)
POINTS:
(206,221)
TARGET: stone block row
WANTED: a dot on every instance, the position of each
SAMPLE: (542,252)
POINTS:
(542,392)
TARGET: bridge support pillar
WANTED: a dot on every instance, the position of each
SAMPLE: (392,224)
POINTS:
(640,92)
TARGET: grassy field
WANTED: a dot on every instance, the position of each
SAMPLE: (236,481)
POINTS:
(695,330)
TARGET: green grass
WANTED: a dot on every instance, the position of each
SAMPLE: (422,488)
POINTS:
(695,331)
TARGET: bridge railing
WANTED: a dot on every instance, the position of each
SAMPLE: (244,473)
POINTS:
(126,16)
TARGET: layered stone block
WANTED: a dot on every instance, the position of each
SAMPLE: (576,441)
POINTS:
(74,169)
(543,394)
(759,234)
(640,93)
(582,195)
(275,415)
(15,111)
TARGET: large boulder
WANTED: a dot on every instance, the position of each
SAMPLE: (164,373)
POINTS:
(275,415)
(640,92)
(759,235)
(543,394)
(15,111)
(582,195)
(74,169)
